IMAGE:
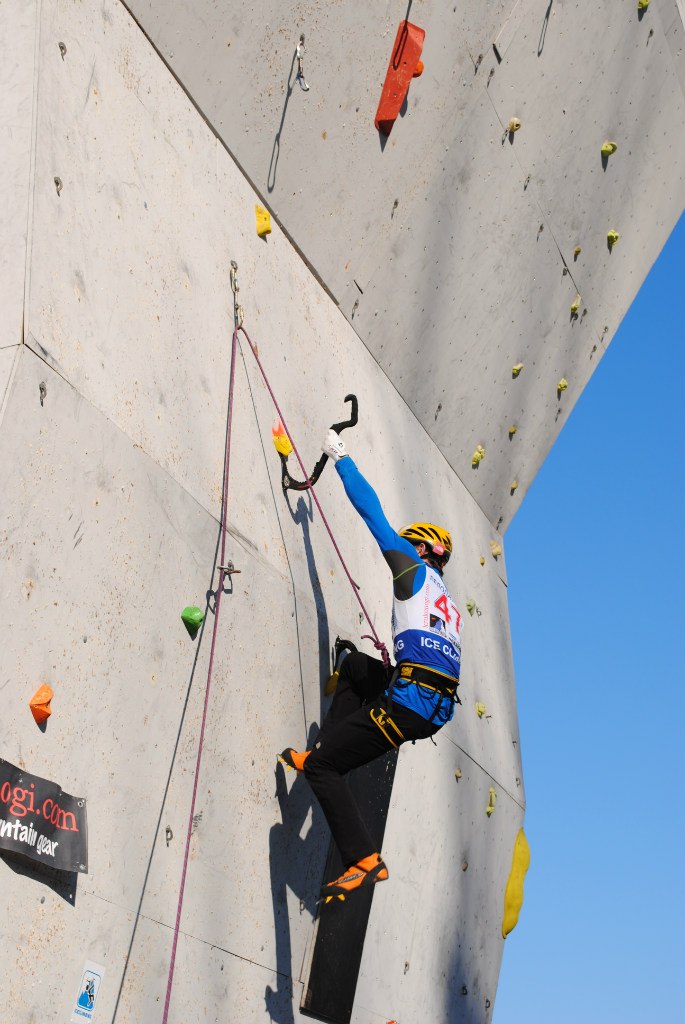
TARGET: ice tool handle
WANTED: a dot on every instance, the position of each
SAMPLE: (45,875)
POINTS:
(303,485)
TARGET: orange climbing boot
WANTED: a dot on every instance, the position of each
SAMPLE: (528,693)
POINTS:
(367,871)
(292,759)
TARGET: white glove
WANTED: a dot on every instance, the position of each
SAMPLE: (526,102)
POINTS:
(333,446)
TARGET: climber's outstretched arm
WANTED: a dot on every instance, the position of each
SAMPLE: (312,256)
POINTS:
(400,555)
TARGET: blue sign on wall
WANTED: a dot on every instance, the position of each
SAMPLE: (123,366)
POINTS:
(89,989)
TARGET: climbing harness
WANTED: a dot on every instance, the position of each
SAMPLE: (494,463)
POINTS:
(287,482)
(383,719)
(428,679)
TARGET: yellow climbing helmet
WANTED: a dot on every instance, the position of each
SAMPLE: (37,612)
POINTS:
(434,537)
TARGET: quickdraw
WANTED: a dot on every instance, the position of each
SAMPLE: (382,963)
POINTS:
(284,448)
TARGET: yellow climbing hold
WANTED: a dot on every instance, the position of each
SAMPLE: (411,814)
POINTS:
(480,709)
(470,607)
(562,385)
(457,774)
(515,370)
(495,549)
(514,485)
(482,560)
(612,238)
(576,252)
(575,305)
(608,148)
(478,456)
(642,5)
(263,221)
(332,683)
(513,894)
(514,124)
(512,431)
(492,800)
(281,440)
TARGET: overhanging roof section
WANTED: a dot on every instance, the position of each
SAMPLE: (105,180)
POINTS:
(456,248)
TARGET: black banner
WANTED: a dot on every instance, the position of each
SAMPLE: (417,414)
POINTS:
(39,821)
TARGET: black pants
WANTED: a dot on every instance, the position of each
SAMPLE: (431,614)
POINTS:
(360,726)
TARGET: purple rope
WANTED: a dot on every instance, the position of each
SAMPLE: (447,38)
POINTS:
(217,605)
(378,644)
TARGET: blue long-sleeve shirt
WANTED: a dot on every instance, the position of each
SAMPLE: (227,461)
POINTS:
(426,625)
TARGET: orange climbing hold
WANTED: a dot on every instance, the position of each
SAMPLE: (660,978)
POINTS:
(404,65)
(40,703)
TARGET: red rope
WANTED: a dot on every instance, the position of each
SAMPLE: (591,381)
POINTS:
(378,644)
(217,605)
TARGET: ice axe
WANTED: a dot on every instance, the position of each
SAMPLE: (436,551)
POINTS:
(284,448)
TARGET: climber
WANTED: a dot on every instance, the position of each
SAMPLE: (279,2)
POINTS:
(375,710)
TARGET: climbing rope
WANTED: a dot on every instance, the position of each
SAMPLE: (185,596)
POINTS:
(378,644)
(225,570)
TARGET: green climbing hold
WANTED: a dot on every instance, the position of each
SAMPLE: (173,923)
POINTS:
(192,618)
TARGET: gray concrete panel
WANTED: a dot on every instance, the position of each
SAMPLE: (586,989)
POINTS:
(18,26)
(462,353)
(316,156)
(120,294)
(640,190)
(375,222)
(442,916)
(8,360)
(673,23)
(111,493)
(99,590)
(213,985)
(83,492)
(93,534)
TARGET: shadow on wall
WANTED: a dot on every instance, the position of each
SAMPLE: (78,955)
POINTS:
(296,863)
(62,883)
(210,609)
(276,150)
(303,516)
(469,968)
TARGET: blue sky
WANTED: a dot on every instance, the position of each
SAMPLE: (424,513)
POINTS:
(596,568)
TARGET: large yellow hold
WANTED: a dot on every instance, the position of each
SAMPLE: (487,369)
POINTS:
(513,894)
(263,221)
(282,442)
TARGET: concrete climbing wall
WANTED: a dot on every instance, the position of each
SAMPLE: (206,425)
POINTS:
(450,245)
(126,206)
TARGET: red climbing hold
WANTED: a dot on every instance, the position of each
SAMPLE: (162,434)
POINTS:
(40,703)
(404,65)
